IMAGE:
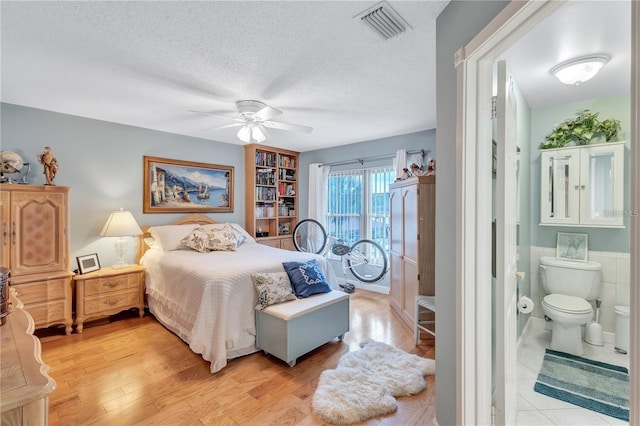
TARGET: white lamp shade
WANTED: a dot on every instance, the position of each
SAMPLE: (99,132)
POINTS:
(579,70)
(121,223)
(251,133)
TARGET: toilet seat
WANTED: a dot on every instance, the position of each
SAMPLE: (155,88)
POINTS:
(567,304)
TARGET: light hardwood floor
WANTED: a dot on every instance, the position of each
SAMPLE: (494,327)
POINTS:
(132,371)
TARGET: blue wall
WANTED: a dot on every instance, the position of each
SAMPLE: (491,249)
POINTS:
(102,162)
(542,121)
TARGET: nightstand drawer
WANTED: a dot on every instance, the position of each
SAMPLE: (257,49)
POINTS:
(112,302)
(46,313)
(113,283)
(41,291)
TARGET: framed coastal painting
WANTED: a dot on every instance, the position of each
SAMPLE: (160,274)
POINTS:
(176,186)
(572,246)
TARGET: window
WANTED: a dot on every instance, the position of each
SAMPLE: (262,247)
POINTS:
(358,205)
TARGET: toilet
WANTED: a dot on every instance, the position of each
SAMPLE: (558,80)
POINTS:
(570,285)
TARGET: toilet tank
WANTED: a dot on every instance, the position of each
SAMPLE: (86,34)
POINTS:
(579,279)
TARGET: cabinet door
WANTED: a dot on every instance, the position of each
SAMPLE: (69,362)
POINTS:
(410,223)
(601,185)
(40,222)
(411,287)
(396,219)
(5,245)
(559,187)
(287,244)
(395,280)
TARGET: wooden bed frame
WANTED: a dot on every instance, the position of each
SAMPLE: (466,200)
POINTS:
(185,220)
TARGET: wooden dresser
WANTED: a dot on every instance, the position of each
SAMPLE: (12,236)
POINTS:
(35,248)
(24,383)
(412,251)
(108,291)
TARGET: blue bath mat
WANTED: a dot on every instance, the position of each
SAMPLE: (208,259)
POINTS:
(594,385)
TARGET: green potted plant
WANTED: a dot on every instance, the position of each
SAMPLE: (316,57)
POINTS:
(580,130)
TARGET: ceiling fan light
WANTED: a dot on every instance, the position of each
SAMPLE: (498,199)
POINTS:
(579,70)
(251,133)
(257,134)
(244,134)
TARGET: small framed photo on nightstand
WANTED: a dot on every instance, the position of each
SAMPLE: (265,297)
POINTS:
(88,263)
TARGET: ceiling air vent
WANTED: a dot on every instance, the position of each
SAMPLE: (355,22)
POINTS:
(384,20)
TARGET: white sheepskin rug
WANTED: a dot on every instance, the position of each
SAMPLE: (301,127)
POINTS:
(366,381)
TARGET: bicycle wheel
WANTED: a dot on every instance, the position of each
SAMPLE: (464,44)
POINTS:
(367,261)
(309,236)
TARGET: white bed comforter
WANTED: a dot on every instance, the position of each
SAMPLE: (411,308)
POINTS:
(208,299)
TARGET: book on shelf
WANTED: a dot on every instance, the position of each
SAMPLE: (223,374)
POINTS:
(268,159)
(265,177)
(265,193)
(287,162)
(287,174)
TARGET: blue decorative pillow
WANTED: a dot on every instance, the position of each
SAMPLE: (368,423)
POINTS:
(306,278)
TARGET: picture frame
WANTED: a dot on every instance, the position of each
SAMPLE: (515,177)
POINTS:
(572,246)
(177,186)
(88,263)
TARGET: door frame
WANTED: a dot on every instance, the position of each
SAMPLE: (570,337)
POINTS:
(473,214)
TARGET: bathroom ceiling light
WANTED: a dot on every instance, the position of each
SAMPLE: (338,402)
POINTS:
(579,70)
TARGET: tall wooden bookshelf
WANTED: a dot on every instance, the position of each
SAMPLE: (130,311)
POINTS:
(271,196)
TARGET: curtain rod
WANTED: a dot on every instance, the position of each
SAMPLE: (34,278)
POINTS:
(423,152)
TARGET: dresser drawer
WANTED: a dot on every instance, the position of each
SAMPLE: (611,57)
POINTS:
(113,283)
(111,302)
(45,314)
(41,291)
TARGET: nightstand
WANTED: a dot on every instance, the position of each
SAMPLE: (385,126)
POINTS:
(108,291)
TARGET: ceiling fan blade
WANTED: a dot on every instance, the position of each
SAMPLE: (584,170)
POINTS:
(285,126)
(223,127)
(264,131)
(239,120)
(267,113)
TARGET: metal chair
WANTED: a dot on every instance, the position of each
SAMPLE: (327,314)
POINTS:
(425,305)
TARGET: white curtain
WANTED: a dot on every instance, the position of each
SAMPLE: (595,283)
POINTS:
(318,178)
(400,162)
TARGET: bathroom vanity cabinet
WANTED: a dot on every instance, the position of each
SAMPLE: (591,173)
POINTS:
(583,186)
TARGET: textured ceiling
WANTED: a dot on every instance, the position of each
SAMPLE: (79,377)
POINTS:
(147,64)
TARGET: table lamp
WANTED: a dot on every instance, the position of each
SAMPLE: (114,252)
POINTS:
(121,224)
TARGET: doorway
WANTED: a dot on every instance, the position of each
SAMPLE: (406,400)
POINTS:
(474,82)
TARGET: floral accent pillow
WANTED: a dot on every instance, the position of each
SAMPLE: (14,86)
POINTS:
(197,240)
(272,288)
(206,240)
(306,278)
(224,239)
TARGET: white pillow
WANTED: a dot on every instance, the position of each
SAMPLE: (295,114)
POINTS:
(168,237)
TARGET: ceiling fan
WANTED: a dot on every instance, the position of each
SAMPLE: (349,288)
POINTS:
(255,117)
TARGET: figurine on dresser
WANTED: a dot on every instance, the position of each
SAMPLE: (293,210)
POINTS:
(50,164)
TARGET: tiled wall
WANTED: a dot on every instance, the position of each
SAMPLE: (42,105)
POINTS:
(615,288)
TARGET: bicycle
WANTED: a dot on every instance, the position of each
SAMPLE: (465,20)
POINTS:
(365,259)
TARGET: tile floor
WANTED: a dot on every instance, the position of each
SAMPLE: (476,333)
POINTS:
(537,409)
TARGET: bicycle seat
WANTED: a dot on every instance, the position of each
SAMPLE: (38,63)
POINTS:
(340,249)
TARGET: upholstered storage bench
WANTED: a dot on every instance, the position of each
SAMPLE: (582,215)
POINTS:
(291,329)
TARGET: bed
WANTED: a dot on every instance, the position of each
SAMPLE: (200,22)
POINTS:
(208,299)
